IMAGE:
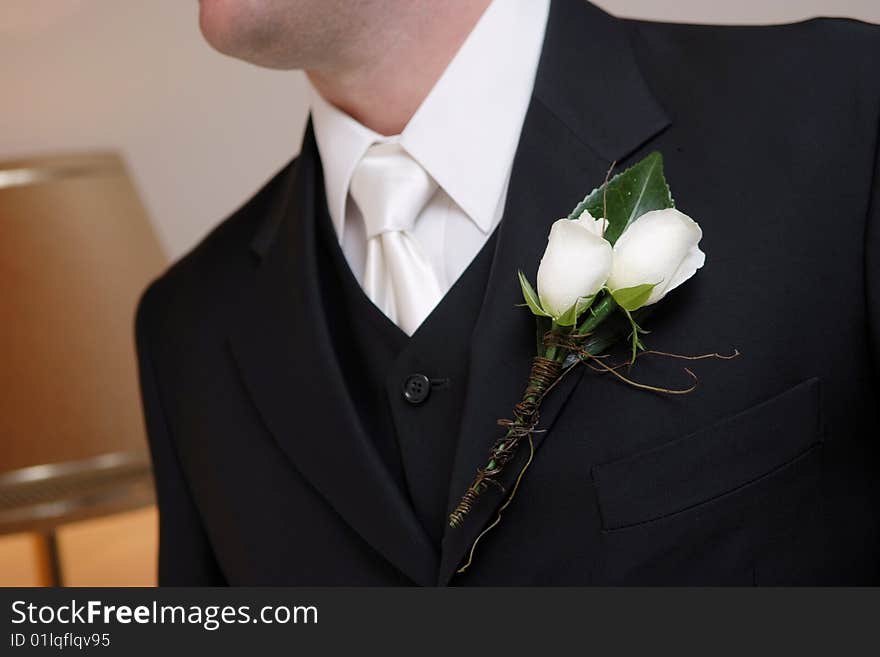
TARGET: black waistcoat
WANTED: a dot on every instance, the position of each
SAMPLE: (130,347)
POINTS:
(416,436)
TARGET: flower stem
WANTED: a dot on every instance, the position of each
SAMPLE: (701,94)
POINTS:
(598,314)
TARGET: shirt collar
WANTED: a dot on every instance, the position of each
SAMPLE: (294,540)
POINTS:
(466,131)
(342,142)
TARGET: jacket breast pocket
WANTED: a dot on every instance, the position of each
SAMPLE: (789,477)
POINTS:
(712,462)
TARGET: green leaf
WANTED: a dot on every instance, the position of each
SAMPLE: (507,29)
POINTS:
(531,296)
(633,298)
(630,194)
(570,316)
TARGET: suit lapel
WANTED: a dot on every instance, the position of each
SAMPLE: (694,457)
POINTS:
(590,107)
(281,345)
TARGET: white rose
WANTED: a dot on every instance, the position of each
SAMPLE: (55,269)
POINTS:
(662,247)
(575,265)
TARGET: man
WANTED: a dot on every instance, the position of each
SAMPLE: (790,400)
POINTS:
(324,373)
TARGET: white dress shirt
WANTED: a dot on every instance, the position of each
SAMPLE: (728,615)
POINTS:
(464,134)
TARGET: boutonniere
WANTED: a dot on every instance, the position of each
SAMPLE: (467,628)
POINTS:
(620,251)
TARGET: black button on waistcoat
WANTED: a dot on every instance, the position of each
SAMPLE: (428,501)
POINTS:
(416,388)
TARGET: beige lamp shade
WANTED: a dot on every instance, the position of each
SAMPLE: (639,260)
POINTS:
(76,250)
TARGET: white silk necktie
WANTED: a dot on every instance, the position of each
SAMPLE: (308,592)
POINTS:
(390,188)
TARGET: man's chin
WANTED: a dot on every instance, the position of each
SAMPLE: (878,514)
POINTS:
(234,32)
(227,28)
(216,24)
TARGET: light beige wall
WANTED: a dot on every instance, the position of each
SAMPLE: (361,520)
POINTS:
(202,131)
(199,130)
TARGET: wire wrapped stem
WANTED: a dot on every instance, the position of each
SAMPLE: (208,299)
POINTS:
(547,369)
(544,373)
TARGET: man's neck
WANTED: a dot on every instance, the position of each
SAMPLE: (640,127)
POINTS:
(384,87)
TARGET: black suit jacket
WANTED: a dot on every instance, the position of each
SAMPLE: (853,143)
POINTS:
(768,473)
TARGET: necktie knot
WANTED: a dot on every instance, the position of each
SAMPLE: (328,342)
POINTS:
(390,188)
